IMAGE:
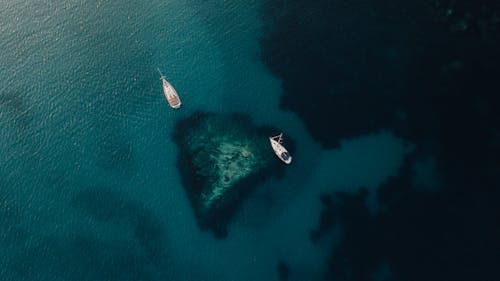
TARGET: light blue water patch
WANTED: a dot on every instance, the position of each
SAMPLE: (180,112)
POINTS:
(364,162)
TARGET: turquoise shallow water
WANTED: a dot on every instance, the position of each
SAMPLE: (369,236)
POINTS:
(89,186)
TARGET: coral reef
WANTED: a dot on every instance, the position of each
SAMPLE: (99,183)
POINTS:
(221,158)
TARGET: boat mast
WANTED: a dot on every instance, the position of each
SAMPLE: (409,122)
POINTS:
(279,137)
(162,77)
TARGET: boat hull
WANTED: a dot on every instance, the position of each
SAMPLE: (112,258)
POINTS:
(281,151)
(171,95)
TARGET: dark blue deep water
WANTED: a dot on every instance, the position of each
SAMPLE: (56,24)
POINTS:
(391,107)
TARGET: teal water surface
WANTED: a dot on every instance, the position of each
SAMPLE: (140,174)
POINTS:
(88,177)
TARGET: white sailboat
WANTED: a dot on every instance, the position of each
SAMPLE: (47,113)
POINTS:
(279,149)
(170,93)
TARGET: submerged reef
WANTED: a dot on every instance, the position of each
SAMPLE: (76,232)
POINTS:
(221,157)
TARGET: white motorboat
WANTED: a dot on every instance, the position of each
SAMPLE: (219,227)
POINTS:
(279,149)
(170,93)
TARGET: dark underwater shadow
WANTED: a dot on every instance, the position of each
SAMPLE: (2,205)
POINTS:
(109,207)
(400,67)
(137,251)
(16,109)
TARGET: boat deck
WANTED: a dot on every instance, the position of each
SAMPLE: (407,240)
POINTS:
(174,101)
(171,95)
(279,149)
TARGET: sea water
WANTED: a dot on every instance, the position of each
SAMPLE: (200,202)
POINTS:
(89,188)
